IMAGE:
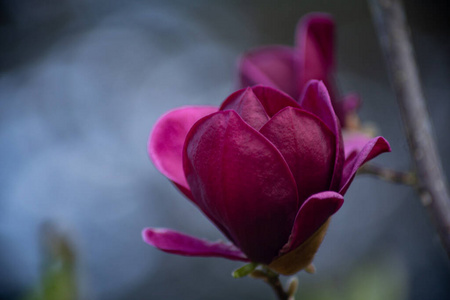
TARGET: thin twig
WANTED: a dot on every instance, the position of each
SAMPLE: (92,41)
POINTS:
(390,22)
(407,178)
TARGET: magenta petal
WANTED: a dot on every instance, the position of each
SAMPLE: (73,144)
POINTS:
(178,243)
(273,100)
(237,176)
(313,213)
(316,100)
(272,66)
(315,45)
(165,145)
(247,105)
(372,149)
(307,145)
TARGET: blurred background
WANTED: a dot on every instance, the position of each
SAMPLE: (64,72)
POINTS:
(81,85)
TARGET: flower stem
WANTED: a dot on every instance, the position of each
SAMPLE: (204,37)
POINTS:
(390,22)
(273,279)
(276,285)
(406,178)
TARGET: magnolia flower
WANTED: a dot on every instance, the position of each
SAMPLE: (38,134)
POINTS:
(267,171)
(290,68)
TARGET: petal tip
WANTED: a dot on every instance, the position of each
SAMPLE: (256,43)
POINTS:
(320,17)
(386,144)
(148,233)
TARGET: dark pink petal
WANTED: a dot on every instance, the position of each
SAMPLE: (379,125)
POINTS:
(165,147)
(307,145)
(272,66)
(315,47)
(372,149)
(313,213)
(273,100)
(247,105)
(178,243)
(165,144)
(316,100)
(238,176)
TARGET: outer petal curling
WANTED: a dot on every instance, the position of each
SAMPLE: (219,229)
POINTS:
(175,242)
(307,233)
(272,66)
(165,145)
(317,100)
(226,162)
(302,256)
(295,131)
(372,149)
(313,214)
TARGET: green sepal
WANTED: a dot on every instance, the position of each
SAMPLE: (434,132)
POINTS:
(244,270)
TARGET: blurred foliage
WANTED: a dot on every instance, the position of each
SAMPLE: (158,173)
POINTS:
(58,279)
(370,281)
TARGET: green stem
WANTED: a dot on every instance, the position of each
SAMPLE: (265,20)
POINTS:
(273,279)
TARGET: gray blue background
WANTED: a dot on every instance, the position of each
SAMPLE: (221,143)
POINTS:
(81,85)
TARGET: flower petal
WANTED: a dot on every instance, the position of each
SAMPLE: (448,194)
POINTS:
(273,100)
(240,178)
(165,144)
(315,45)
(178,243)
(272,66)
(313,214)
(165,147)
(316,100)
(372,149)
(301,257)
(307,145)
(247,105)
(309,229)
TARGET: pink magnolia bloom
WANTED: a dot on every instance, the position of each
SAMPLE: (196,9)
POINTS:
(266,170)
(290,68)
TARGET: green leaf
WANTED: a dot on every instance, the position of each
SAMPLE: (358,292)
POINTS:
(58,278)
(244,270)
